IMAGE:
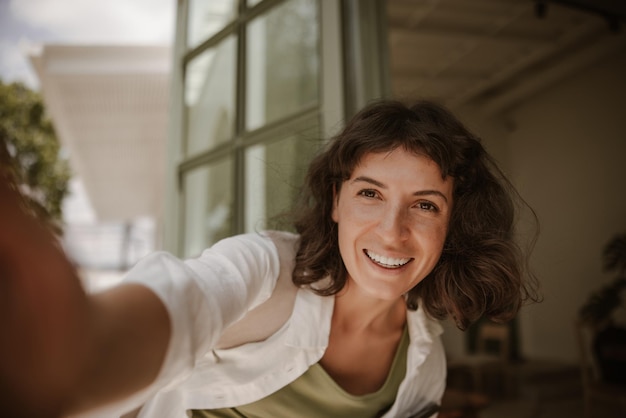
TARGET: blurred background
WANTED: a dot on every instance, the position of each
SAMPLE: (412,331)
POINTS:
(187,121)
(103,71)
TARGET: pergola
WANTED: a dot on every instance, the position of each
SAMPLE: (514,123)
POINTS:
(109,105)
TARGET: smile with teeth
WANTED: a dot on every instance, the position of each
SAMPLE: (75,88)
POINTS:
(387,262)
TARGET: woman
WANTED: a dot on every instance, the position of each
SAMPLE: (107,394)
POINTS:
(405,220)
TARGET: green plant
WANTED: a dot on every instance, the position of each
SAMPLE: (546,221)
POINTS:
(601,305)
(30,152)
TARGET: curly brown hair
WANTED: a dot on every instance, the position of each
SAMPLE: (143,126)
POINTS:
(481,271)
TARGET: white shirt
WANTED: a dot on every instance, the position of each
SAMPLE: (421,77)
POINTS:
(219,357)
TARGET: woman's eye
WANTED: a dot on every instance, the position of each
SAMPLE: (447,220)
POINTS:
(368,193)
(427,206)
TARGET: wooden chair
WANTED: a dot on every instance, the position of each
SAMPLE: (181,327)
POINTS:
(486,360)
(594,389)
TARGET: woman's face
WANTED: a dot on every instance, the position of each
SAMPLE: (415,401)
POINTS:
(392,216)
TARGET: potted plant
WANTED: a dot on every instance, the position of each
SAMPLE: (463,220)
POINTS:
(609,344)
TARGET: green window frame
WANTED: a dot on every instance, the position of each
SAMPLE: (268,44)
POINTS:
(294,134)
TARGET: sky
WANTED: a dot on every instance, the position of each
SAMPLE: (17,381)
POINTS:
(25,25)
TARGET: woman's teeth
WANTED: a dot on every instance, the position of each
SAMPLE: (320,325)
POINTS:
(387,262)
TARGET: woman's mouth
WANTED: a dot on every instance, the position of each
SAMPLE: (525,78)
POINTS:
(387,262)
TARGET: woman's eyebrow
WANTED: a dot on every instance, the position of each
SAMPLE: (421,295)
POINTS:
(382,186)
(369,180)
(431,192)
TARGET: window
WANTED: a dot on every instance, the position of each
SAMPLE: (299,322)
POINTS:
(208,205)
(282,62)
(251,113)
(274,172)
(210,97)
(206,18)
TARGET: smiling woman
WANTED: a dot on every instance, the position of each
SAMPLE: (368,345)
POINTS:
(392,216)
(424,155)
(393,233)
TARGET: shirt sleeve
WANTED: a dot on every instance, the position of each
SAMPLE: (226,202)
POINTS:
(203,296)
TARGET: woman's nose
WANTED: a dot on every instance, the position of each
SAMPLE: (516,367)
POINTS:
(394,224)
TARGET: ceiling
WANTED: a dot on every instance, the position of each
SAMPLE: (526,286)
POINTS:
(110,109)
(494,54)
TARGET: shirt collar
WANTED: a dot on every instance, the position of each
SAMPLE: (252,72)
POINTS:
(309,326)
(422,328)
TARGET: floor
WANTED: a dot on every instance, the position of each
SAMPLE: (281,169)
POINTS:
(561,408)
(538,390)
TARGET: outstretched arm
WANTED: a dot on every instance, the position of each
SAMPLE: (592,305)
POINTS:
(61,350)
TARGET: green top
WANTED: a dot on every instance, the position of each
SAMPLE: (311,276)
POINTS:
(316,395)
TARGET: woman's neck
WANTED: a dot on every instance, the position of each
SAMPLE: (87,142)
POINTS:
(356,311)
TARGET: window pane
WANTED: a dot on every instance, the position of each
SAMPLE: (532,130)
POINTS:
(210,97)
(274,174)
(282,62)
(206,18)
(208,206)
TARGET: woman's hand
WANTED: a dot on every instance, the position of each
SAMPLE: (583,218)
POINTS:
(60,349)
(43,312)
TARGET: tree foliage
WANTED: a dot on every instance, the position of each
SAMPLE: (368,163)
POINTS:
(28,136)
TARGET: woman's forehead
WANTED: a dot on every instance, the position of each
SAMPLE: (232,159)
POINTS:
(419,154)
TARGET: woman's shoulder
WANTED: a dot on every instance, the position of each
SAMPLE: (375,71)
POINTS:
(273,246)
(268,239)
(286,242)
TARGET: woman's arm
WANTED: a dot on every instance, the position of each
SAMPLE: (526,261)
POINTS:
(61,350)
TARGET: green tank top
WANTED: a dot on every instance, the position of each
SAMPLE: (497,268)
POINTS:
(316,395)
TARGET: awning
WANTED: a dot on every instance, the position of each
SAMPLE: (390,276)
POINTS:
(109,105)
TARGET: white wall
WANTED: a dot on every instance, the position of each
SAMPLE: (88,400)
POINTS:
(568,158)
